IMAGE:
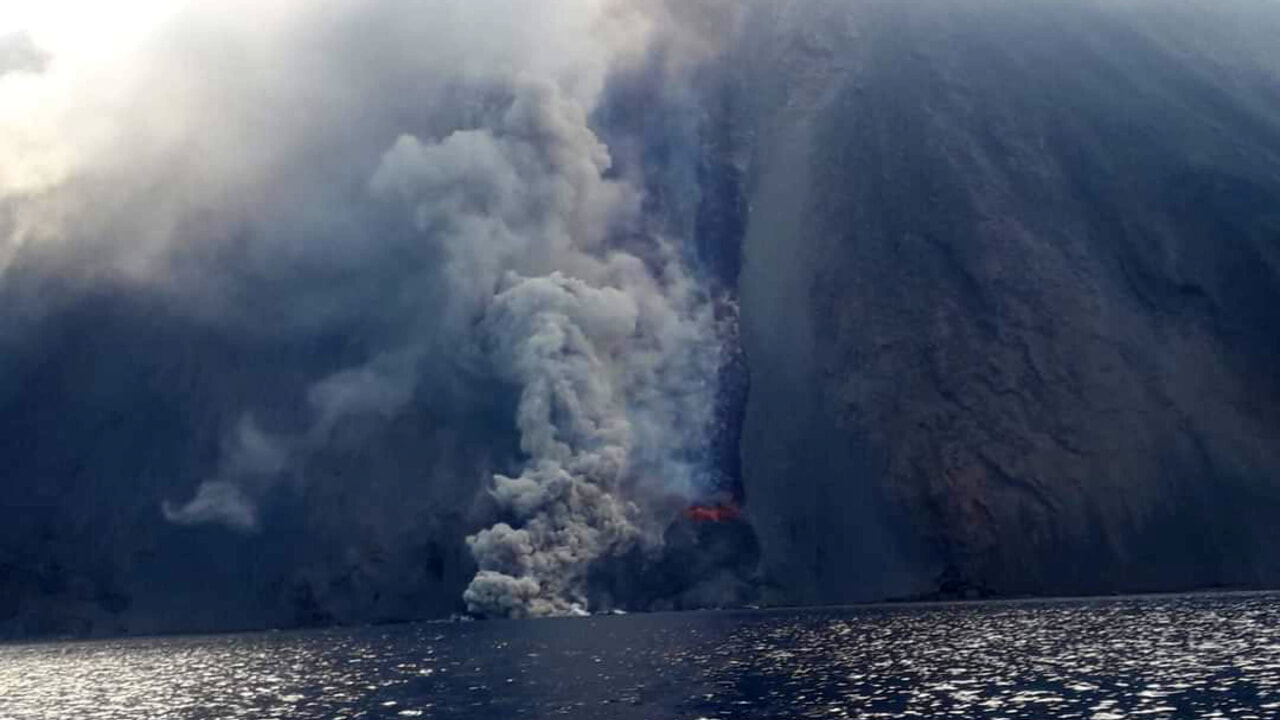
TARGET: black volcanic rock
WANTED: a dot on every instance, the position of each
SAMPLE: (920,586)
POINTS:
(113,406)
(1008,280)
(701,564)
(1011,296)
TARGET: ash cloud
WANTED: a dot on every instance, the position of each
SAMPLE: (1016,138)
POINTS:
(421,191)
(615,357)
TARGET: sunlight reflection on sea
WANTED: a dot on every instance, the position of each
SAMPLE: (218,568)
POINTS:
(1163,657)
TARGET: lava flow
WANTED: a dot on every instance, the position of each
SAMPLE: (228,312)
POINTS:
(712,513)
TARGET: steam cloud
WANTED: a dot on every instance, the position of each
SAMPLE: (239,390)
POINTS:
(477,223)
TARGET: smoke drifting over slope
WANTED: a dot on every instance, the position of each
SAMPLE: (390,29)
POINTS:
(425,177)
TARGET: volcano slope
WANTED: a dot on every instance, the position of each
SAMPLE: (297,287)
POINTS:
(1011,296)
(1008,274)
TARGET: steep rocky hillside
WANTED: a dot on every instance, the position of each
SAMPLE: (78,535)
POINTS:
(1011,296)
(1008,282)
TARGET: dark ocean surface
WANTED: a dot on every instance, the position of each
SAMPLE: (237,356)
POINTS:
(1198,656)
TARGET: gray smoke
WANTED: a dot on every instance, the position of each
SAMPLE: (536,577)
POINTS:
(253,462)
(601,368)
(615,356)
(20,54)
(428,174)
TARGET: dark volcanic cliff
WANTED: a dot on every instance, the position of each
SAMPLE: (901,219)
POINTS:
(1011,296)
(1008,274)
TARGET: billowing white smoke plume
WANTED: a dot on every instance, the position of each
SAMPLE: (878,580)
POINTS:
(601,369)
(438,159)
(615,356)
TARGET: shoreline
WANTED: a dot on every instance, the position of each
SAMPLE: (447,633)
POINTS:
(888,604)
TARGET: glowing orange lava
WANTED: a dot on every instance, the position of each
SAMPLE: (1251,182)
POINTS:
(712,513)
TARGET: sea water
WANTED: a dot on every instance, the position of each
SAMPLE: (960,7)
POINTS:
(1201,656)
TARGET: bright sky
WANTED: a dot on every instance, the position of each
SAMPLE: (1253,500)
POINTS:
(43,123)
(84,27)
